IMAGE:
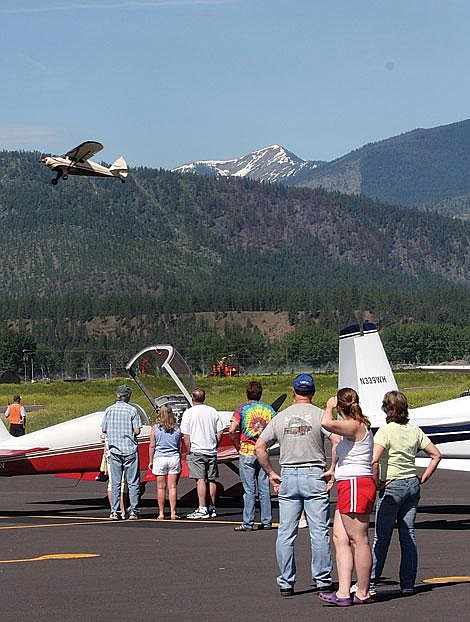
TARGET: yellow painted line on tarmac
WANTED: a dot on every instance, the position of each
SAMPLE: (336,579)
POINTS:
(104,521)
(41,558)
(93,520)
(443,580)
(67,517)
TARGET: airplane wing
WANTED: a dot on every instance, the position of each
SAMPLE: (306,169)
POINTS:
(463,369)
(14,453)
(84,151)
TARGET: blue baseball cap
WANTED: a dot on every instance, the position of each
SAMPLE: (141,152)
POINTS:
(304,384)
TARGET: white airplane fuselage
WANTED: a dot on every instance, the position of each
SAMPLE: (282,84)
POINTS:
(70,167)
(75,446)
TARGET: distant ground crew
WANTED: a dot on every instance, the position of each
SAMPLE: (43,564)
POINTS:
(16,415)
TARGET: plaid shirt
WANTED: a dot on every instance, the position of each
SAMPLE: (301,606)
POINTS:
(119,422)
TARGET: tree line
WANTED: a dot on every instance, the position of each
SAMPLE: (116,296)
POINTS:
(308,346)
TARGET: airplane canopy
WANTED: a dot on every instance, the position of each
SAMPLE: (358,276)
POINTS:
(156,361)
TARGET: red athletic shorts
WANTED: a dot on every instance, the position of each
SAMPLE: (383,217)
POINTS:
(356,495)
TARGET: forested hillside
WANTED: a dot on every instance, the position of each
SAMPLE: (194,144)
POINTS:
(99,265)
(424,166)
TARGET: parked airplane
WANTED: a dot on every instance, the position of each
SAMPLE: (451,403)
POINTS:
(77,162)
(455,369)
(363,366)
(75,447)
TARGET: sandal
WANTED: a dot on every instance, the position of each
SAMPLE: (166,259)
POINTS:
(333,599)
(160,518)
(175,517)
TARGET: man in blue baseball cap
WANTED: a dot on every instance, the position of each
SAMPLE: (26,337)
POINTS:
(304,385)
(300,485)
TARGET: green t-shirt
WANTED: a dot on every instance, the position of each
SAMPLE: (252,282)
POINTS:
(401,443)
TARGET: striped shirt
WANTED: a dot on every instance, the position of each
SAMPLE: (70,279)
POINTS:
(119,422)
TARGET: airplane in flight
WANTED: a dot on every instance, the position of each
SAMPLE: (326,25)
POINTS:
(77,162)
(364,366)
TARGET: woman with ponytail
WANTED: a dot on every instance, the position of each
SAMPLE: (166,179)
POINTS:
(352,463)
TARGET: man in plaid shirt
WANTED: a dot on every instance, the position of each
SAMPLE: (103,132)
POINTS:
(121,424)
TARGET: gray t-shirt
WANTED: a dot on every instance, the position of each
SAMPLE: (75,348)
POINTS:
(301,438)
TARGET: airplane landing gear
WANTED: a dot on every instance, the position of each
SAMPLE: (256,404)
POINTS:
(55,181)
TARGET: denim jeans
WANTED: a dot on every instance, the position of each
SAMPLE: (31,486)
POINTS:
(130,465)
(251,474)
(302,489)
(397,503)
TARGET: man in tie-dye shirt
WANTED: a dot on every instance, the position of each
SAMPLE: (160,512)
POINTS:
(250,419)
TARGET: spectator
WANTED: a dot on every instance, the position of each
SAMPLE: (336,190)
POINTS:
(165,460)
(202,428)
(300,485)
(121,423)
(356,496)
(395,447)
(251,418)
(105,475)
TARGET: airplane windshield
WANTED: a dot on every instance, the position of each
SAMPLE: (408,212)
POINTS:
(157,370)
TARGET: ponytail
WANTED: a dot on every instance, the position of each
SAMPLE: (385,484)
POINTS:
(348,405)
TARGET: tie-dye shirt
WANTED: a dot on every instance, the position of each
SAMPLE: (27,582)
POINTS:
(252,417)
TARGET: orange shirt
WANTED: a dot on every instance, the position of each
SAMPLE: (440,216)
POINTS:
(14,413)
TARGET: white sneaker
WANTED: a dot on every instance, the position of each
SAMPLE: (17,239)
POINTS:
(199,514)
(372,589)
(303,523)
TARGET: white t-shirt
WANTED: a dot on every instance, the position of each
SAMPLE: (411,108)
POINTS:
(202,423)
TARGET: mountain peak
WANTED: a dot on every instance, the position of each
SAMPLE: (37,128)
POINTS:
(273,163)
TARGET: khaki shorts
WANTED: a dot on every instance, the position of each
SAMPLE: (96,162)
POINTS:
(202,466)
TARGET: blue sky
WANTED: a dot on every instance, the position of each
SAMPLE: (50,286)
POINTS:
(164,82)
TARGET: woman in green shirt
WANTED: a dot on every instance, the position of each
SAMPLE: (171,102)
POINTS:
(395,447)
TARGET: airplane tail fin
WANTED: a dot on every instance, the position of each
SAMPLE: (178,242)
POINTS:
(4,434)
(119,168)
(364,366)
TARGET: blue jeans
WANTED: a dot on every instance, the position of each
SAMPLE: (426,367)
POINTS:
(130,465)
(251,474)
(397,503)
(302,489)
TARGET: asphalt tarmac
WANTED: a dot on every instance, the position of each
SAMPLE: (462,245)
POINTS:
(185,570)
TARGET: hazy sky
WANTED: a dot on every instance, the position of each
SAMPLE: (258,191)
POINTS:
(164,82)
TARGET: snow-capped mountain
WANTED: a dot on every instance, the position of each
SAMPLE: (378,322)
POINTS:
(272,164)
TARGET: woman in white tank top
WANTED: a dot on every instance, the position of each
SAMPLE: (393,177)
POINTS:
(352,461)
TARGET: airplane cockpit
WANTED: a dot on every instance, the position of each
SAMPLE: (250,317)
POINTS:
(156,370)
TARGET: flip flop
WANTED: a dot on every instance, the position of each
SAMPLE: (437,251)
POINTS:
(175,517)
(160,518)
(332,599)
